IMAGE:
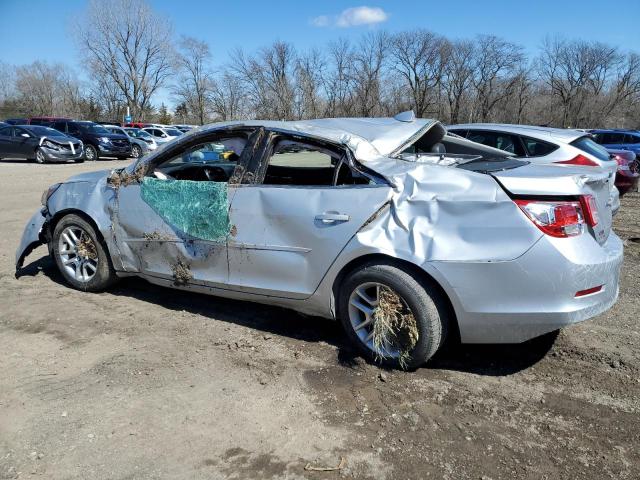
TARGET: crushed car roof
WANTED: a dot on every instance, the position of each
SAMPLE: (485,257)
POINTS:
(385,134)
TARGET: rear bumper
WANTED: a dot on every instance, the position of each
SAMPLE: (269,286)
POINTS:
(626,181)
(511,302)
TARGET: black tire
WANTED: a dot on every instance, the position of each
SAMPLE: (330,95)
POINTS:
(136,151)
(40,156)
(423,299)
(91,153)
(104,275)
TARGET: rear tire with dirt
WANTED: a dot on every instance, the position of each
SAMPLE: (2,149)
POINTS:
(391,317)
(81,256)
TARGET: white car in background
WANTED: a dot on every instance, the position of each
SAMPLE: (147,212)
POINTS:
(544,145)
(162,135)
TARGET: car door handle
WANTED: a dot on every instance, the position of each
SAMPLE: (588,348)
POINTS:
(332,217)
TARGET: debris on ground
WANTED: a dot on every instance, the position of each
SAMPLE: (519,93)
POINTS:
(181,273)
(394,326)
(340,466)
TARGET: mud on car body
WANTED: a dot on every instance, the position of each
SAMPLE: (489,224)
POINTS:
(404,234)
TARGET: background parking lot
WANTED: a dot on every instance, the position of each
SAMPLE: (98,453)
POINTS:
(145,382)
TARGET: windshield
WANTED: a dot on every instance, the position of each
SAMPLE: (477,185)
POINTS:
(588,145)
(173,132)
(92,128)
(138,133)
(45,132)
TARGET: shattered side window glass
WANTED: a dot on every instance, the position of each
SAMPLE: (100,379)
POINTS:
(198,209)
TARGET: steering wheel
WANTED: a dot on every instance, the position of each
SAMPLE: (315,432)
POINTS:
(215,174)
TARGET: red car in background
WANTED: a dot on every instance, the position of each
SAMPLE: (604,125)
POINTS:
(628,170)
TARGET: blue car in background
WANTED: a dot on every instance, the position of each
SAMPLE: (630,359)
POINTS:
(618,139)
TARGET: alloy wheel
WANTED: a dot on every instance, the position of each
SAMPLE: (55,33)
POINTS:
(371,306)
(78,253)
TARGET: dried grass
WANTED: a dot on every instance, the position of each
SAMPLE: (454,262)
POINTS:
(86,247)
(394,326)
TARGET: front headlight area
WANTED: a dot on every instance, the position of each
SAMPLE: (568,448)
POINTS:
(51,145)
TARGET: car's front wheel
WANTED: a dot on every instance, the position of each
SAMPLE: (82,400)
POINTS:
(90,153)
(80,255)
(40,156)
(391,317)
(136,151)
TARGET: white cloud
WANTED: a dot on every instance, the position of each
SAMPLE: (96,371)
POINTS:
(352,17)
(321,21)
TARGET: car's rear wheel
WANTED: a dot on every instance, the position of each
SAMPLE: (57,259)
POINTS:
(90,153)
(391,317)
(40,156)
(136,151)
(80,255)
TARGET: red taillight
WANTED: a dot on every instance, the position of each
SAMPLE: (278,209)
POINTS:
(556,218)
(588,291)
(579,160)
(590,209)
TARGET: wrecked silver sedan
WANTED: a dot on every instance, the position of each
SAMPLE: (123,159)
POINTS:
(403,233)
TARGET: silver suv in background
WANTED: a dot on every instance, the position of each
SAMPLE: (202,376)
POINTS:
(544,145)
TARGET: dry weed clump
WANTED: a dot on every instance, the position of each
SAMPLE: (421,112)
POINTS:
(394,326)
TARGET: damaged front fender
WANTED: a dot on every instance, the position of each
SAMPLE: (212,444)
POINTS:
(32,237)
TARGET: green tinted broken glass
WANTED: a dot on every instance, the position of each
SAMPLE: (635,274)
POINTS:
(199,209)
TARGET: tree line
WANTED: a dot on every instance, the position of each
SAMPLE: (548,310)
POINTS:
(129,53)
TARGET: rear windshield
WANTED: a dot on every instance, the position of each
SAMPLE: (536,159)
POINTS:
(588,145)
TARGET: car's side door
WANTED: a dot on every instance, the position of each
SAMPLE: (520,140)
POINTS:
(301,201)
(170,216)
(6,142)
(23,143)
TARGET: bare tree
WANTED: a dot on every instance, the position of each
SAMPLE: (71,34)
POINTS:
(228,98)
(310,71)
(574,71)
(496,63)
(339,80)
(195,82)
(125,42)
(368,63)
(458,75)
(268,78)
(417,57)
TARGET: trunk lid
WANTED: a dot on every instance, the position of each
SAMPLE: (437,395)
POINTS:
(551,181)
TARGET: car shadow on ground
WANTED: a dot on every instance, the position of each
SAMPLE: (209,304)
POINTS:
(487,360)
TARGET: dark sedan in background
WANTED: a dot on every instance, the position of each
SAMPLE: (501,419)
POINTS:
(42,144)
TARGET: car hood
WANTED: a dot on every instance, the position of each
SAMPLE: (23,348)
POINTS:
(90,177)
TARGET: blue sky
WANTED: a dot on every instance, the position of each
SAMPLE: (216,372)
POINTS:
(40,29)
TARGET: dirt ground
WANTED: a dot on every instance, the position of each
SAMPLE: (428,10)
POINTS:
(143,382)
